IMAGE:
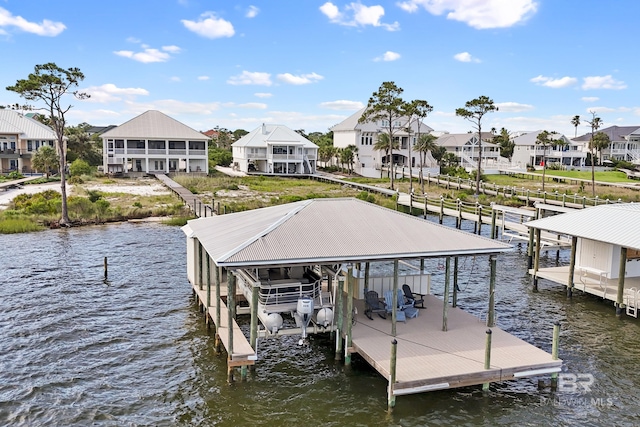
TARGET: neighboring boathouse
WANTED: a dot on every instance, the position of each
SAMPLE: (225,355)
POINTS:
(297,269)
(605,253)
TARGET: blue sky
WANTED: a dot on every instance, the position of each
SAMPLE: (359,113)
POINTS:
(310,64)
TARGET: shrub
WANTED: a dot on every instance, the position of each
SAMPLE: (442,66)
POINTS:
(15,175)
(102,207)
(76,180)
(46,202)
(137,205)
(80,207)
(80,167)
(366,196)
(94,195)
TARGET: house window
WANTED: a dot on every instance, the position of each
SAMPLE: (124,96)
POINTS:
(29,145)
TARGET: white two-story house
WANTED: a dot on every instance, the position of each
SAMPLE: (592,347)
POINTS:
(275,149)
(625,143)
(20,137)
(154,143)
(526,152)
(466,148)
(365,135)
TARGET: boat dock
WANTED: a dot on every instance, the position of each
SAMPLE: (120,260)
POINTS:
(430,359)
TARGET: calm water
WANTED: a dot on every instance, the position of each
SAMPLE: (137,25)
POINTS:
(78,350)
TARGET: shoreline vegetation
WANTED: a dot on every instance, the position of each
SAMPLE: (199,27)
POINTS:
(99,200)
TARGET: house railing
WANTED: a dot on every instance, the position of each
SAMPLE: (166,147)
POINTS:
(286,157)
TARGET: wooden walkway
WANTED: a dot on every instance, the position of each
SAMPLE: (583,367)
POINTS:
(430,359)
(243,353)
(17,182)
(194,203)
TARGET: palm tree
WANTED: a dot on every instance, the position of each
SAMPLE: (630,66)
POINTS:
(386,144)
(595,124)
(548,139)
(425,144)
(575,121)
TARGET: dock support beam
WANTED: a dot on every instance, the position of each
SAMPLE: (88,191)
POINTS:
(454,302)
(231,292)
(367,266)
(621,274)
(339,316)
(218,300)
(572,266)
(554,352)
(394,316)
(493,224)
(347,344)
(200,266)
(530,249)
(536,264)
(208,287)
(445,306)
(487,357)
(391,398)
(253,336)
(491,311)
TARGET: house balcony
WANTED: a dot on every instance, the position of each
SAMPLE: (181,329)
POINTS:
(293,157)
(177,152)
(193,152)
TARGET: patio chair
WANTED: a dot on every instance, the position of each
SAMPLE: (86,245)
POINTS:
(418,299)
(374,305)
(402,305)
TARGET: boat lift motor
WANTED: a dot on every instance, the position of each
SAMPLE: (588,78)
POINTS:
(304,312)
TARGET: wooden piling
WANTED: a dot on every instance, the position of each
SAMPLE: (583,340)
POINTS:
(621,273)
(106,268)
(554,352)
(572,265)
(347,344)
(493,223)
(253,335)
(231,290)
(445,306)
(339,316)
(491,311)
(487,357)
(394,316)
(454,303)
(391,398)
(536,264)
(218,299)
(441,217)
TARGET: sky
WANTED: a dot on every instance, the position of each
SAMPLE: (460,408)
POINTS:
(311,64)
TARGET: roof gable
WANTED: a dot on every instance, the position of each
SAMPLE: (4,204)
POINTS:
(154,125)
(12,122)
(273,134)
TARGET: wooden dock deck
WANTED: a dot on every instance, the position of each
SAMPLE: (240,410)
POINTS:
(430,359)
(243,353)
(604,288)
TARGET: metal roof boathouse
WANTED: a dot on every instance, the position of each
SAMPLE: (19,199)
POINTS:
(301,268)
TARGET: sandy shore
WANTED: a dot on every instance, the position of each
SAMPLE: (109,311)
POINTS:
(144,187)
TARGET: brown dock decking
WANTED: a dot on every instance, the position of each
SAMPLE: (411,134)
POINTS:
(430,359)
(243,353)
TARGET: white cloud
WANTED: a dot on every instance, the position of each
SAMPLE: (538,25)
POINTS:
(603,82)
(479,14)
(203,78)
(465,57)
(252,12)
(357,15)
(387,56)
(253,105)
(263,95)
(301,79)
(110,93)
(45,28)
(210,26)
(171,49)
(589,98)
(342,105)
(175,79)
(149,54)
(250,78)
(554,83)
(513,107)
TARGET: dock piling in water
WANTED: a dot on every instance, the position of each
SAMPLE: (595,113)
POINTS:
(487,357)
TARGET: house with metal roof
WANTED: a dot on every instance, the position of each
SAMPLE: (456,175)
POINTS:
(526,152)
(364,136)
(625,143)
(605,252)
(154,143)
(294,266)
(275,149)
(20,138)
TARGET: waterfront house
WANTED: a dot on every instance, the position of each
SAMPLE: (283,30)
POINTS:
(605,252)
(154,143)
(625,143)
(275,149)
(527,152)
(20,138)
(465,148)
(365,135)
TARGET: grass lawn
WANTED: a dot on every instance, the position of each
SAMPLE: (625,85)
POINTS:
(606,176)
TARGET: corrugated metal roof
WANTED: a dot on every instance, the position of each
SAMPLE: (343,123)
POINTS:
(351,123)
(273,134)
(616,224)
(327,231)
(615,133)
(530,138)
(154,125)
(461,139)
(12,122)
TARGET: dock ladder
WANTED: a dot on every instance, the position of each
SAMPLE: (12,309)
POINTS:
(631,301)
